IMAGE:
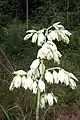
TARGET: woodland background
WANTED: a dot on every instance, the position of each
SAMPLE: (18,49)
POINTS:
(16,16)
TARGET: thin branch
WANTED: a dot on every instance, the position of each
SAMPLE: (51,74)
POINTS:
(7,59)
(27,12)
(5,68)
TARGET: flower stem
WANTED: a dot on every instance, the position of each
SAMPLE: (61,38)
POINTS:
(38,99)
(38,103)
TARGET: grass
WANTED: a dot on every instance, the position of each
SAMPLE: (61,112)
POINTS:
(16,54)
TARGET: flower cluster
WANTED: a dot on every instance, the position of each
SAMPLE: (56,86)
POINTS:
(61,76)
(36,36)
(59,33)
(17,80)
(29,79)
(47,98)
(49,51)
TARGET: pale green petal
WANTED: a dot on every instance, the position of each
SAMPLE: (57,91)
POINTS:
(20,72)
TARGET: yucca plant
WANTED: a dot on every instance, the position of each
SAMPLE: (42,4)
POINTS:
(35,79)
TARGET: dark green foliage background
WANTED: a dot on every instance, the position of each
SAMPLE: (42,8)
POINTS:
(20,53)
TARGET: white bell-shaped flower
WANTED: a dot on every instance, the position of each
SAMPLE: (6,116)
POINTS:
(72,84)
(36,73)
(56,57)
(20,72)
(29,34)
(24,82)
(29,82)
(56,80)
(42,102)
(34,38)
(66,32)
(34,87)
(51,45)
(53,35)
(41,85)
(35,64)
(29,73)
(72,76)
(49,55)
(49,77)
(50,99)
(42,53)
(49,37)
(66,79)
(16,83)
(61,76)
(41,39)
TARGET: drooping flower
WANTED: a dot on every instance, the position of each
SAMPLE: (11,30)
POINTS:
(35,64)
(72,76)
(24,82)
(36,73)
(29,34)
(72,84)
(42,53)
(30,73)
(55,77)
(34,38)
(61,76)
(29,82)
(41,39)
(50,99)
(34,87)
(53,35)
(16,83)
(33,73)
(49,77)
(41,85)
(42,102)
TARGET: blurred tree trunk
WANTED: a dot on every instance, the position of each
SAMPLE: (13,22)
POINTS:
(27,12)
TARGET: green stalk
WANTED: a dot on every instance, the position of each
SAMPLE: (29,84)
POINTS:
(38,105)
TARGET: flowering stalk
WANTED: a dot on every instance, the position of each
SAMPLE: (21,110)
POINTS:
(36,77)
